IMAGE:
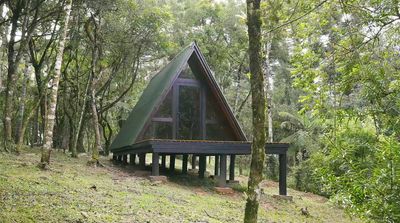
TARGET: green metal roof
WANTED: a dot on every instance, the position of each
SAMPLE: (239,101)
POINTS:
(156,90)
(153,93)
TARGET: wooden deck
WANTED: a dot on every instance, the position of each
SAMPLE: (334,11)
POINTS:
(201,149)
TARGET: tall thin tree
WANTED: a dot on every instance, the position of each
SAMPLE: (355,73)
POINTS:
(258,110)
(54,82)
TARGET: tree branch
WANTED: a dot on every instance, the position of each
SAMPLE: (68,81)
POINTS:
(297,18)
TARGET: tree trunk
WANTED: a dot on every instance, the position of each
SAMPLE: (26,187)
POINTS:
(269,89)
(11,78)
(65,137)
(50,116)
(258,110)
(24,31)
(35,128)
(3,47)
(97,136)
(79,124)
(23,100)
(24,124)
(95,117)
(107,133)
(95,57)
(80,145)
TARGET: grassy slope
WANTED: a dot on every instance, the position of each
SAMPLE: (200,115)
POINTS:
(64,194)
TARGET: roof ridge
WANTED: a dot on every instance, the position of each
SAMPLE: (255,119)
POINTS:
(192,44)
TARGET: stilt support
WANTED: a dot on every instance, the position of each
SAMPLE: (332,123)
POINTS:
(202,165)
(232,168)
(216,165)
(185,163)
(193,161)
(282,174)
(155,165)
(172,163)
(163,161)
(142,160)
(222,177)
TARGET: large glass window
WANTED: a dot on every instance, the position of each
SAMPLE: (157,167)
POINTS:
(162,130)
(160,126)
(216,131)
(158,130)
(165,109)
(189,113)
(217,127)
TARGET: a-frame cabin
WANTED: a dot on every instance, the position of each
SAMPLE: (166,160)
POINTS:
(182,111)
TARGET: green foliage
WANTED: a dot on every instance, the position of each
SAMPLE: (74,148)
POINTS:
(304,176)
(360,171)
(302,132)
(343,62)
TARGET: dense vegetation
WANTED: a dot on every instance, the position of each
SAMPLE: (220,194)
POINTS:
(333,86)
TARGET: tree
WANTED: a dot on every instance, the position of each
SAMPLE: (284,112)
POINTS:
(258,109)
(14,55)
(54,82)
(93,37)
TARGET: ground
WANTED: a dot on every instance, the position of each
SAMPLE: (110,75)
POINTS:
(71,191)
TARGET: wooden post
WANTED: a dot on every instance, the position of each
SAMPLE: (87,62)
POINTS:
(193,161)
(132,159)
(202,165)
(216,166)
(154,165)
(142,160)
(125,159)
(282,174)
(172,163)
(185,163)
(232,168)
(222,171)
(163,161)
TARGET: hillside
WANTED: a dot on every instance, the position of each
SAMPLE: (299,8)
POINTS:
(71,191)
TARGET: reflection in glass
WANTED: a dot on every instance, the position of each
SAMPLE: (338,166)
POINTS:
(189,113)
(217,127)
(165,110)
(162,130)
(158,130)
(218,131)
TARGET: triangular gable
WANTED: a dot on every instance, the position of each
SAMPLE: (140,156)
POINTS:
(158,89)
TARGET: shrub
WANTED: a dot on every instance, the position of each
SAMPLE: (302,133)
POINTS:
(361,171)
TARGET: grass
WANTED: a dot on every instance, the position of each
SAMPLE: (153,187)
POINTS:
(71,191)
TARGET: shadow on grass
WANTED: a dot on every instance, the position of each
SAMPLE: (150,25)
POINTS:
(188,180)
(191,180)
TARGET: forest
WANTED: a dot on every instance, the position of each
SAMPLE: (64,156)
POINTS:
(72,70)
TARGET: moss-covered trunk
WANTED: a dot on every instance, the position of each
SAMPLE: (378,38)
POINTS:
(258,110)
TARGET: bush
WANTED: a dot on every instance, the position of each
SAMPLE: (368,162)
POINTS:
(361,171)
(303,177)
